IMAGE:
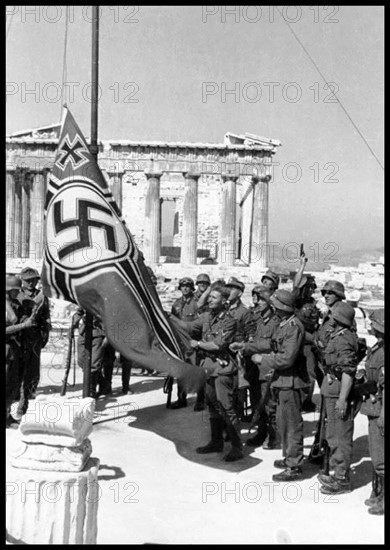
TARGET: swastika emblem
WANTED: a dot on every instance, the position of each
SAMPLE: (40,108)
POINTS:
(72,152)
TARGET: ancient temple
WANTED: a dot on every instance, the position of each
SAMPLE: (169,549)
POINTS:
(183,202)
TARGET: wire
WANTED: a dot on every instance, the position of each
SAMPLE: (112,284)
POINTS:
(64,63)
(326,82)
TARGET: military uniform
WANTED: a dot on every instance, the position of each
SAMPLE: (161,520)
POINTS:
(259,379)
(222,381)
(373,390)
(102,353)
(340,356)
(34,339)
(185,309)
(289,383)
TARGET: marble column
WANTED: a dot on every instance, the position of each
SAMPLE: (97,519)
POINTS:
(38,196)
(116,187)
(18,215)
(10,213)
(227,240)
(189,238)
(151,247)
(260,222)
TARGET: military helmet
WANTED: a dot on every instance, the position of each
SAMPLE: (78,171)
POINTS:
(272,276)
(284,300)
(13,283)
(203,278)
(263,293)
(233,282)
(336,287)
(186,281)
(344,313)
(377,319)
(29,273)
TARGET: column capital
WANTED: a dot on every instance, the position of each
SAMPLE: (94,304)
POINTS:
(118,173)
(229,177)
(191,175)
(263,179)
(152,174)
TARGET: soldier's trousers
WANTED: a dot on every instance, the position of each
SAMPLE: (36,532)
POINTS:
(221,397)
(290,425)
(97,352)
(339,435)
(29,373)
(376,444)
(267,418)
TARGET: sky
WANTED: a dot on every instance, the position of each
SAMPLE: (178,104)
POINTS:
(193,73)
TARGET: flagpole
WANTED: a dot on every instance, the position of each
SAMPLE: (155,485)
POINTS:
(94,148)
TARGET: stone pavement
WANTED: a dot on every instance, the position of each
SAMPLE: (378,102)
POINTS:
(154,488)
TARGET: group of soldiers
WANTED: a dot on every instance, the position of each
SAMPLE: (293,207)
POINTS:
(282,346)
(27,333)
(271,354)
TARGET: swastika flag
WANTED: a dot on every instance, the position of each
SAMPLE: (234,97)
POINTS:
(90,258)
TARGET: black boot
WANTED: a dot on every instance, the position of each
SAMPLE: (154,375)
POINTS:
(94,381)
(273,439)
(378,509)
(200,400)
(235,438)
(216,443)
(376,489)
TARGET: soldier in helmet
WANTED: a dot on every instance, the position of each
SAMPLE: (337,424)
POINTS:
(201,294)
(340,363)
(270,280)
(13,342)
(373,392)
(289,383)
(263,405)
(185,309)
(33,302)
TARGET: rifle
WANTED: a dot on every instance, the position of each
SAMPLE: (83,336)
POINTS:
(68,358)
(168,386)
(320,450)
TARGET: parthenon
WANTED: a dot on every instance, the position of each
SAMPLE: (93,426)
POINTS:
(202,200)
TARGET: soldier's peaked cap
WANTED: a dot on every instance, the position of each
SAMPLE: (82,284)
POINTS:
(29,273)
(235,283)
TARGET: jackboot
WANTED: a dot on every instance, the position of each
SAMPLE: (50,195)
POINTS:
(259,438)
(94,381)
(216,443)
(378,509)
(236,441)
(376,489)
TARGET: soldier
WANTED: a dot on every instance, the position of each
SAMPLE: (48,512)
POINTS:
(33,302)
(258,377)
(102,353)
(289,383)
(14,328)
(340,362)
(333,293)
(373,391)
(185,309)
(202,292)
(270,280)
(217,329)
(244,319)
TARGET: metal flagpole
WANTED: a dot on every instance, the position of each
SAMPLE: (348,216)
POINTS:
(94,151)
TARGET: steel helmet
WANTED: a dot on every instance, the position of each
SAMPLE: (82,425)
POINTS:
(344,313)
(12,282)
(203,278)
(29,273)
(187,281)
(272,276)
(284,300)
(336,287)
(263,293)
(377,319)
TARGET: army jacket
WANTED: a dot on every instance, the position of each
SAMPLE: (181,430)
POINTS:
(219,329)
(185,309)
(30,302)
(340,355)
(288,360)
(375,370)
(263,340)
(243,316)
